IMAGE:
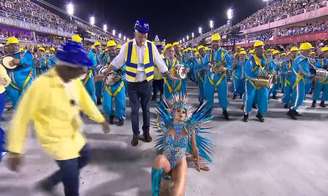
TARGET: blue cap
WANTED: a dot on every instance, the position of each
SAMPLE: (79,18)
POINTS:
(74,54)
(141,26)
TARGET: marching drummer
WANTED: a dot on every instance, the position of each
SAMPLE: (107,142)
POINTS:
(20,70)
(175,85)
(238,73)
(287,75)
(321,84)
(215,80)
(301,71)
(256,67)
(274,67)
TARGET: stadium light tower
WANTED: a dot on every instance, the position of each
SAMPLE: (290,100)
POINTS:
(192,35)
(183,39)
(200,30)
(70,9)
(114,32)
(211,24)
(229,15)
(92,20)
(119,35)
(187,37)
(124,38)
(105,27)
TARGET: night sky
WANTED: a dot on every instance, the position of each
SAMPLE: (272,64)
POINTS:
(170,19)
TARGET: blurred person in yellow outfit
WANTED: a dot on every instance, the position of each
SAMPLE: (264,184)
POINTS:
(53,103)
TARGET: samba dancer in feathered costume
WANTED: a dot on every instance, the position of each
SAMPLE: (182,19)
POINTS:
(181,133)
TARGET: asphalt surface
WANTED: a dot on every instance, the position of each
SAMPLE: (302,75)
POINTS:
(279,157)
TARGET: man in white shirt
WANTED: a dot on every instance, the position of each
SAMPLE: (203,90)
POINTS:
(140,57)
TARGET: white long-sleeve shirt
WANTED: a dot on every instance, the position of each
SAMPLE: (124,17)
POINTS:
(120,60)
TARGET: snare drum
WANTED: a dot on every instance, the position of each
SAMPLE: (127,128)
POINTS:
(321,74)
(6,62)
(261,82)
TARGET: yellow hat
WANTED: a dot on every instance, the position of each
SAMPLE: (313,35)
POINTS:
(111,43)
(167,46)
(97,43)
(194,49)
(119,46)
(76,38)
(258,43)
(312,53)
(42,49)
(242,52)
(294,49)
(197,53)
(324,49)
(175,44)
(275,52)
(21,49)
(52,49)
(187,49)
(12,40)
(283,54)
(306,46)
(215,37)
(200,47)
(252,51)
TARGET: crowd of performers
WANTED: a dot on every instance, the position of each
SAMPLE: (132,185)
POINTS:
(110,73)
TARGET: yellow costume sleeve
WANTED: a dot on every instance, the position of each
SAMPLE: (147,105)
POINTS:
(29,103)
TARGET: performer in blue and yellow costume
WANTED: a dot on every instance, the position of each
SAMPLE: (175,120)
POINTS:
(238,74)
(114,90)
(321,86)
(300,73)
(181,134)
(287,76)
(282,76)
(89,81)
(177,50)
(21,76)
(42,61)
(275,68)
(174,84)
(201,70)
(52,57)
(114,97)
(256,67)
(4,82)
(219,62)
(105,57)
